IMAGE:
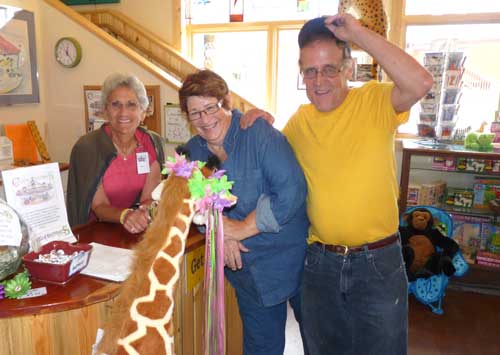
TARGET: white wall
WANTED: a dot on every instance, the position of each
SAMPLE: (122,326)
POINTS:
(64,86)
(155,15)
(60,115)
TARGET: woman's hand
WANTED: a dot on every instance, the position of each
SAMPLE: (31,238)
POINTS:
(239,230)
(232,254)
(136,221)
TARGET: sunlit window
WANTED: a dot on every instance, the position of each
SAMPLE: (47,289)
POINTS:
(217,11)
(258,57)
(463,61)
(239,57)
(440,7)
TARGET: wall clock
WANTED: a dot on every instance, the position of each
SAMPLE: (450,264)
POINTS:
(68,52)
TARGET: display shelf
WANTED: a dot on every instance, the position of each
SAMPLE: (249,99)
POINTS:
(482,174)
(479,278)
(412,148)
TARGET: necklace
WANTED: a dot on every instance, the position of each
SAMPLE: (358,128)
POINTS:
(124,152)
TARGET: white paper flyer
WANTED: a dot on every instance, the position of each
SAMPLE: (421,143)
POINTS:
(36,193)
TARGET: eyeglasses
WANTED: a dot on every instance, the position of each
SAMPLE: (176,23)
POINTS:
(329,71)
(209,110)
(129,105)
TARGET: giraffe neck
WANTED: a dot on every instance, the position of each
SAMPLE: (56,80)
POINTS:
(152,311)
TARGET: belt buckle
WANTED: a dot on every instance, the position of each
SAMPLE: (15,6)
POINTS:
(346,250)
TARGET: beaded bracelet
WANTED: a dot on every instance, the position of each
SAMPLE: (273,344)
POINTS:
(124,214)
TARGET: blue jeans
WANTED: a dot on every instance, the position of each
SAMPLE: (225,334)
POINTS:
(263,326)
(355,304)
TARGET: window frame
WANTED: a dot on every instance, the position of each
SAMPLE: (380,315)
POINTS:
(395,10)
(272,29)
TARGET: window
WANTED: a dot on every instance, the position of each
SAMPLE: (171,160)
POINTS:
(258,57)
(442,7)
(472,31)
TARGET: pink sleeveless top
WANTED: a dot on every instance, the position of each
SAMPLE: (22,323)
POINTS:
(121,182)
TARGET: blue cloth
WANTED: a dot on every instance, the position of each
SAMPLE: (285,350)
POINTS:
(355,304)
(267,178)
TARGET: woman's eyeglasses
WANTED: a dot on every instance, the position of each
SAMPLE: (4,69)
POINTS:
(129,105)
(209,110)
(328,71)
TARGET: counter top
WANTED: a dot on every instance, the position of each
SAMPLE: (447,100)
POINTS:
(83,290)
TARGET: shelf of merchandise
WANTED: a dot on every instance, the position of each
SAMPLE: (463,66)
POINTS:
(415,148)
(479,278)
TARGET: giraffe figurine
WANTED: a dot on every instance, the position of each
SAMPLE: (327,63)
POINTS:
(371,14)
(141,319)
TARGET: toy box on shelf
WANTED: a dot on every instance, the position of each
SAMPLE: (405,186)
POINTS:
(488,259)
(485,190)
(472,234)
(459,198)
(444,163)
(430,194)
(478,165)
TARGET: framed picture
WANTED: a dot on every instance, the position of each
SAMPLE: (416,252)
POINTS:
(18,68)
(94,112)
(177,129)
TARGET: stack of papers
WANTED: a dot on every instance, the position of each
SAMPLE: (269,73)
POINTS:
(109,263)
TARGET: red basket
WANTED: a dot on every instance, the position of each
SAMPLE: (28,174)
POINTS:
(58,273)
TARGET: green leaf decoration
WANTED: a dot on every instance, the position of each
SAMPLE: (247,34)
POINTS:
(197,185)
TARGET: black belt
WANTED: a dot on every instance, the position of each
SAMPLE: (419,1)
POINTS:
(344,249)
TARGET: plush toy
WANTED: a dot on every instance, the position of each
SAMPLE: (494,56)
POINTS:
(482,142)
(420,239)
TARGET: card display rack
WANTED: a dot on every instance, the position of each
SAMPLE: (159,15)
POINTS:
(439,107)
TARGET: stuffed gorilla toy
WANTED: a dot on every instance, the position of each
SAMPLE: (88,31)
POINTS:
(419,240)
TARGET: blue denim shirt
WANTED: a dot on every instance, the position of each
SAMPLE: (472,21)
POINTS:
(266,178)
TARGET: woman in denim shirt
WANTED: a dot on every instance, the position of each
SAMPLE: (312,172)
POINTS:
(265,232)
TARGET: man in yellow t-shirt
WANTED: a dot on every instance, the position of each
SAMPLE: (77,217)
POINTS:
(354,290)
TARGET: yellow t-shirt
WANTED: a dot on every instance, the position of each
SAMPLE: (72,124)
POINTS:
(349,162)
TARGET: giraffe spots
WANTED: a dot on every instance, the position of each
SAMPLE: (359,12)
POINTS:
(370,13)
(161,302)
(163,270)
(151,343)
(175,246)
(130,327)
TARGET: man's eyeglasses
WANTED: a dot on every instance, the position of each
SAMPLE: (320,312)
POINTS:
(129,105)
(209,110)
(329,71)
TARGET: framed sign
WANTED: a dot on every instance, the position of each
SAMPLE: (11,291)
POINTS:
(177,129)
(94,112)
(18,69)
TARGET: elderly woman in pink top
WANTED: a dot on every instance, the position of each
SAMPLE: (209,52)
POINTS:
(114,169)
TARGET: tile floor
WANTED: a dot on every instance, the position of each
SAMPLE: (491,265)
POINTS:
(293,345)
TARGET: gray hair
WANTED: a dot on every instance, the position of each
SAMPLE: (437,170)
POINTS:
(116,80)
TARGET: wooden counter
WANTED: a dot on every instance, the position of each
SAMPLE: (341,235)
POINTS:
(65,320)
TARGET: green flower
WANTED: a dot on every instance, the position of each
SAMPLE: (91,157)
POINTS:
(17,286)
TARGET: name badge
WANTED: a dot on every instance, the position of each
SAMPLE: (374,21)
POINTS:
(142,162)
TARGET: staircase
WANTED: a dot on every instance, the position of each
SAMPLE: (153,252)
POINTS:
(141,45)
